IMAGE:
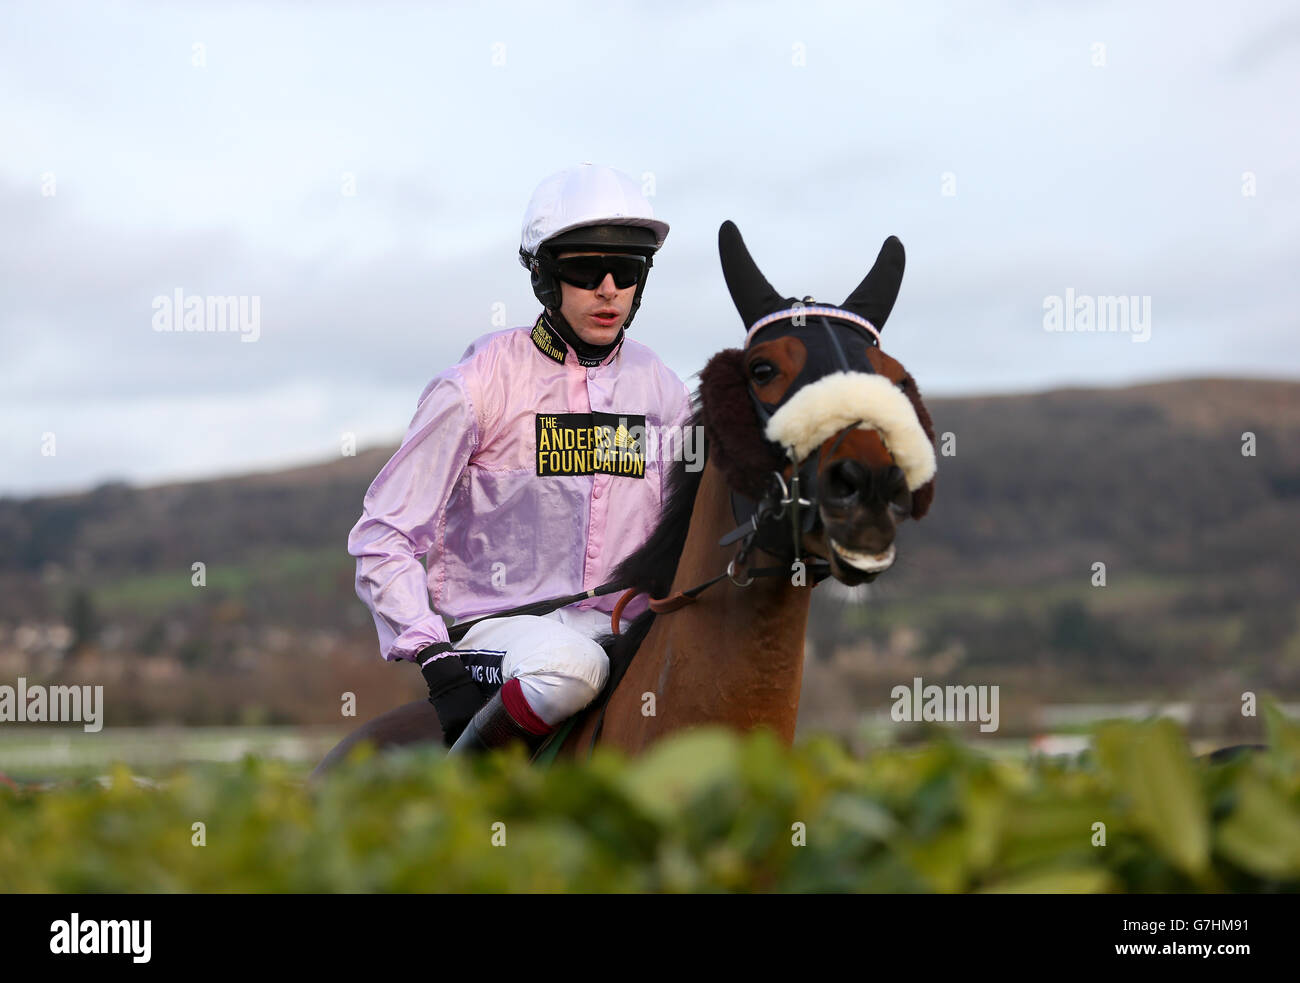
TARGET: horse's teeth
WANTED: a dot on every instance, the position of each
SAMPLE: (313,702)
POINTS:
(866,562)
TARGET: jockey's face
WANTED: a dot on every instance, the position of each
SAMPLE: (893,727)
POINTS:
(581,307)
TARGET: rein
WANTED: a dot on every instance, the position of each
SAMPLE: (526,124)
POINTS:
(780,498)
(772,509)
(760,529)
(764,517)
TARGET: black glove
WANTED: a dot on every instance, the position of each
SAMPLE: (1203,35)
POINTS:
(452,690)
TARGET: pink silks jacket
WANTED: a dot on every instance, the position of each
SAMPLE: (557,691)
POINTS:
(523,476)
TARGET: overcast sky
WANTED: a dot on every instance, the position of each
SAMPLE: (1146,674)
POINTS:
(362,170)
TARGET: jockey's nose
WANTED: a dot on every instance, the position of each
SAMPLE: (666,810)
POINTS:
(607,286)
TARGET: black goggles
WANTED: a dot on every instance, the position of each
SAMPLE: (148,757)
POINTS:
(588,272)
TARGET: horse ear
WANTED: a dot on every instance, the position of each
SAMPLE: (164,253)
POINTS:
(874,297)
(921,497)
(750,291)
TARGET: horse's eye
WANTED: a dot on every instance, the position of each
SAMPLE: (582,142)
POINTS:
(762,372)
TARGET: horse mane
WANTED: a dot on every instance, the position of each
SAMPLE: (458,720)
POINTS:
(725,419)
(650,568)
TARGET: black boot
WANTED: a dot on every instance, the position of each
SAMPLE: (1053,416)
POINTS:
(493,727)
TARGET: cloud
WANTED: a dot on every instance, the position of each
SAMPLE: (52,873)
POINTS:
(820,130)
(1266,46)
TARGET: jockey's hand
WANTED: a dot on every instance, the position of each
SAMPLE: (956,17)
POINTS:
(452,690)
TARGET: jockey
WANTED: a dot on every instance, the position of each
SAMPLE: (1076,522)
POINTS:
(526,474)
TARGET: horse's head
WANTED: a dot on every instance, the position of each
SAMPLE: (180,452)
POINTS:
(812,398)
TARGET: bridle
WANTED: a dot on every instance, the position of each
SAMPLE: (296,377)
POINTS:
(777,522)
(785,509)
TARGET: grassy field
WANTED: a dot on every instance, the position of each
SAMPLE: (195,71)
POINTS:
(32,753)
(303,571)
(35,753)
(1135,593)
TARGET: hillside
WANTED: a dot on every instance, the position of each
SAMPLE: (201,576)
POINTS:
(1199,544)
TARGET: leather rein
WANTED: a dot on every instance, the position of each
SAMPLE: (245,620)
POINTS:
(781,500)
(763,528)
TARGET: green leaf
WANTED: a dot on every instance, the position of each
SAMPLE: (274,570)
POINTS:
(708,810)
(1150,765)
(677,768)
(1263,833)
(1283,732)
(1081,880)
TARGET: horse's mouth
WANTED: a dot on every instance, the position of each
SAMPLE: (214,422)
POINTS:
(863,561)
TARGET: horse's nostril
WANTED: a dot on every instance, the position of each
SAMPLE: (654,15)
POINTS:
(846,480)
(895,491)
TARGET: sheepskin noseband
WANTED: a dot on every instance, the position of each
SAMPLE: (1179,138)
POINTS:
(838,386)
(819,410)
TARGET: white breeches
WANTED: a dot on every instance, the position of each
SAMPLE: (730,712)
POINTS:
(559,666)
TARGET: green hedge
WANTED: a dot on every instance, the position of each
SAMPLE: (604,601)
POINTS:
(705,811)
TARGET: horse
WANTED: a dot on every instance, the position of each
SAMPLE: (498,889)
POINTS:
(817,445)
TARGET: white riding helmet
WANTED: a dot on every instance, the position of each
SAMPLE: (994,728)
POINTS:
(588,206)
(588,194)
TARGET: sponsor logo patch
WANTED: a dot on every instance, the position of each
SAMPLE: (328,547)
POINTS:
(591,443)
(484,666)
(548,342)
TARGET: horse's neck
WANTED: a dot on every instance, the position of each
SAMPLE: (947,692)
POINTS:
(734,657)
